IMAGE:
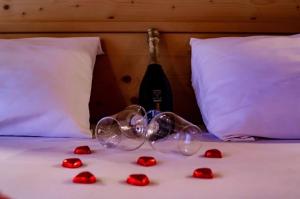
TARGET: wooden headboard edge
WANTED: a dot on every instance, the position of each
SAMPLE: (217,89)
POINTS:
(141,27)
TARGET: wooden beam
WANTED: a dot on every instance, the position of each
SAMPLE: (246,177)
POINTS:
(132,27)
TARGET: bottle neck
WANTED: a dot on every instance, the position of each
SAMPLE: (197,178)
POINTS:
(153,39)
(153,50)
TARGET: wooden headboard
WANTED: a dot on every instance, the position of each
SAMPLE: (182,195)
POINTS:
(122,26)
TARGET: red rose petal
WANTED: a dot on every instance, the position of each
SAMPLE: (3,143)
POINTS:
(84,178)
(138,180)
(72,163)
(203,173)
(146,161)
(213,153)
(82,150)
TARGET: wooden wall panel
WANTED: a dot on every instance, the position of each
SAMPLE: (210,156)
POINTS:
(126,55)
(137,15)
(145,10)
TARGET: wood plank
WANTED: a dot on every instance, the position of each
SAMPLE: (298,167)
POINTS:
(138,27)
(252,16)
(145,10)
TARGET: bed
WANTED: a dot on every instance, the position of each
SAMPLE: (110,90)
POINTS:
(31,168)
(31,163)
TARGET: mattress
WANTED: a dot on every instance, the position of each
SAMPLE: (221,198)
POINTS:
(31,168)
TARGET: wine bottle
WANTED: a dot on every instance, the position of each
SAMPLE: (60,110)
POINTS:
(155,93)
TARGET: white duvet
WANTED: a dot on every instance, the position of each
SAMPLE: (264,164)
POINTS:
(31,168)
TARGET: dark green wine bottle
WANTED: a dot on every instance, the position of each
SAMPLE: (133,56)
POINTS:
(155,93)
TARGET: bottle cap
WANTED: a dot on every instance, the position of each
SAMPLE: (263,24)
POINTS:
(152,32)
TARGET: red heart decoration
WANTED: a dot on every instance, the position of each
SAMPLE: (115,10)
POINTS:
(84,178)
(138,179)
(72,163)
(203,173)
(146,161)
(82,150)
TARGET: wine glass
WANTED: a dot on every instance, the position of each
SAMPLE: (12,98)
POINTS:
(125,130)
(168,132)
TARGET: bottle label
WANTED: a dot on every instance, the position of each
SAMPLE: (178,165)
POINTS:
(156,96)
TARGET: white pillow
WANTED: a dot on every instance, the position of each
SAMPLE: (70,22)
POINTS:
(45,86)
(248,86)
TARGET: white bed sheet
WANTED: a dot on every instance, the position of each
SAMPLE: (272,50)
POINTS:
(31,168)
